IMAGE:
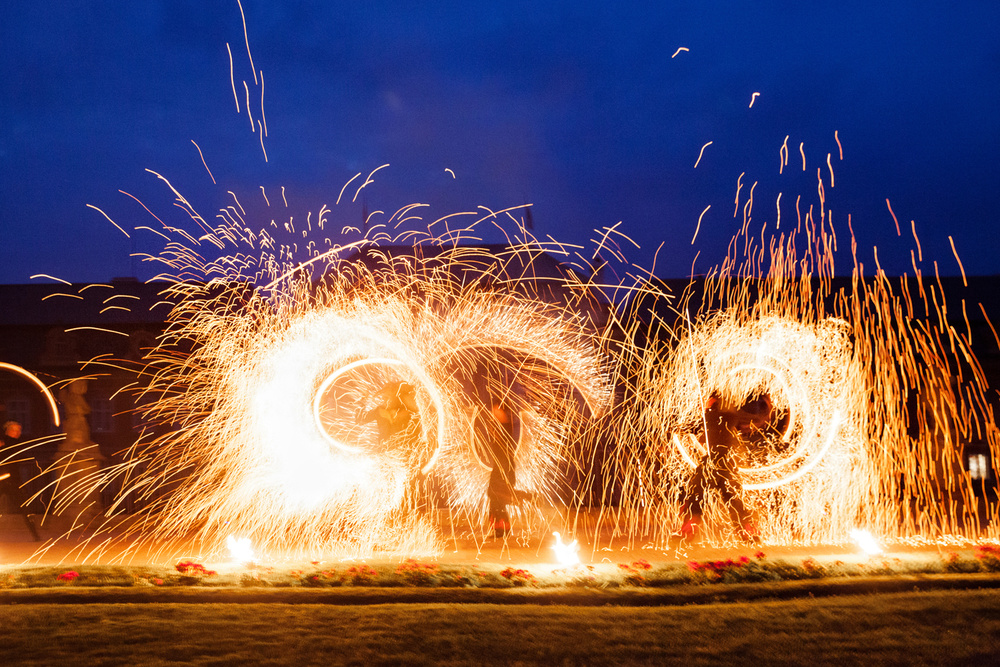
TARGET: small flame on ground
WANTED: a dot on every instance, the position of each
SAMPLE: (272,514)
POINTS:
(566,554)
(866,541)
(240,549)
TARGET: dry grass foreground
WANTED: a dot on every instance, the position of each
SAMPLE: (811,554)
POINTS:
(937,627)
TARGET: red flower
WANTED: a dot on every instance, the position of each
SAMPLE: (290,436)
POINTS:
(192,568)
(718,568)
(68,576)
(517,576)
(411,565)
(987,551)
(811,565)
(361,574)
(760,555)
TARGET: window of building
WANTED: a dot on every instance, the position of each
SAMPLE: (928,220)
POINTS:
(60,348)
(101,416)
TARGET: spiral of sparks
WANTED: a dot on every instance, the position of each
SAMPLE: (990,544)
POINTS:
(872,403)
(283,338)
(804,370)
(255,395)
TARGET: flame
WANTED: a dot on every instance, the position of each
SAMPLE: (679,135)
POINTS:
(567,554)
(866,541)
(240,549)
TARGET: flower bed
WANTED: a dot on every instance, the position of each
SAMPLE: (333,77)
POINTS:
(413,573)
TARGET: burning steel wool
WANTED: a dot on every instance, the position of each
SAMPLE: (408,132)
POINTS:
(326,391)
(352,402)
(348,393)
(335,406)
(809,443)
(833,406)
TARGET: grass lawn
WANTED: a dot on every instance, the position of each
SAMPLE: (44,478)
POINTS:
(936,627)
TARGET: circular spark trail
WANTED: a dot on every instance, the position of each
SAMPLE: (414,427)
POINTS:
(870,407)
(50,399)
(258,398)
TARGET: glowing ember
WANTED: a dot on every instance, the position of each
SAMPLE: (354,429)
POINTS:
(240,549)
(567,555)
(866,542)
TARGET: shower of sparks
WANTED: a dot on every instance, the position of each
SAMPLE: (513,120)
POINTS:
(251,400)
(254,397)
(874,394)
(253,404)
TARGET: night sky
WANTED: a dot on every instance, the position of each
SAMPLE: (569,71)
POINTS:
(582,110)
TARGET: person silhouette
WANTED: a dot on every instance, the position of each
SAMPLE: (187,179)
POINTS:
(395,409)
(10,479)
(729,430)
(498,429)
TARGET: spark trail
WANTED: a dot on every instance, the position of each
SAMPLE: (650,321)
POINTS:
(254,396)
(875,394)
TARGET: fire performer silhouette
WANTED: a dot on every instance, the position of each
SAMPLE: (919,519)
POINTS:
(729,433)
(499,430)
(397,406)
(498,425)
(10,480)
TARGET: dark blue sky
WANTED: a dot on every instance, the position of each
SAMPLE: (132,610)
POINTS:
(578,109)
